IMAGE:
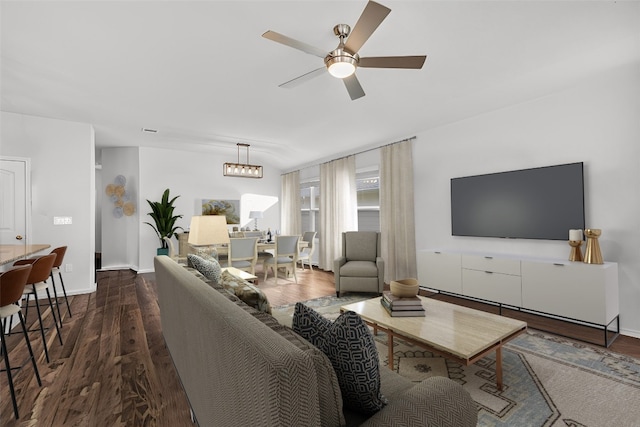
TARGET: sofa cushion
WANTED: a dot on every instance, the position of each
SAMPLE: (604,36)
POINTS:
(247,292)
(208,267)
(350,347)
(330,397)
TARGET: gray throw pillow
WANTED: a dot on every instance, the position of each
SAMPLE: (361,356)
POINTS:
(349,345)
(208,268)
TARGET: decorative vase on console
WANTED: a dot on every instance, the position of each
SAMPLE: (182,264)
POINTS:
(592,254)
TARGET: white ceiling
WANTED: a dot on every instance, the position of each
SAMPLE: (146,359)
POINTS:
(201,74)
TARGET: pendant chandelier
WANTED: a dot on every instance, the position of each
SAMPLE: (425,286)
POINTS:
(243,170)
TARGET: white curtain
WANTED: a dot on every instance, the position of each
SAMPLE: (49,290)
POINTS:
(338,207)
(396,211)
(290,217)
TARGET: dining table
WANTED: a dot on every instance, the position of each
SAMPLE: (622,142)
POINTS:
(262,246)
(12,253)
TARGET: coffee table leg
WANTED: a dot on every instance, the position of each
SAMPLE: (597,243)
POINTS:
(499,368)
(390,345)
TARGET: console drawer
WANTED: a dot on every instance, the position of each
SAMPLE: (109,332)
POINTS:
(498,287)
(489,263)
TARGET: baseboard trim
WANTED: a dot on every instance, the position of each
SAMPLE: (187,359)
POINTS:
(630,333)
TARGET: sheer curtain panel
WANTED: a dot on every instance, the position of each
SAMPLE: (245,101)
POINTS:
(338,207)
(290,204)
(397,212)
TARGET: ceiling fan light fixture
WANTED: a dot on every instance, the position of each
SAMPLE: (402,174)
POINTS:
(342,65)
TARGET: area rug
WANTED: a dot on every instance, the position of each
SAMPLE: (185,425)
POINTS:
(548,381)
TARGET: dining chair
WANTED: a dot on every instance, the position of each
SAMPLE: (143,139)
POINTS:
(40,272)
(243,254)
(286,255)
(12,284)
(306,252)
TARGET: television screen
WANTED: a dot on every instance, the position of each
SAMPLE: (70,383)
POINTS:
(540,203)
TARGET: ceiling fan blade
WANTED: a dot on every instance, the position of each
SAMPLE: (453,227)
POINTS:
(353,87)
(415,62)
(288,41)
(303,78)
(372,16)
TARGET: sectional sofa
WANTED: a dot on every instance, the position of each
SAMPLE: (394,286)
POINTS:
(240,367)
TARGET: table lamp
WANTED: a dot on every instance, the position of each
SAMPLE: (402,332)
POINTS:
(255,215)
(208,230)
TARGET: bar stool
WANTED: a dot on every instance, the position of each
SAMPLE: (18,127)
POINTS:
(12,284)
(60,252)
(40,272)
(56,269)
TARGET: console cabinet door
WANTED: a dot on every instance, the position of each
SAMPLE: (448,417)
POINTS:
(440,271)
(490,286)
(575,290)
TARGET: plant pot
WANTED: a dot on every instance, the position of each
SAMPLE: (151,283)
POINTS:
(162,251)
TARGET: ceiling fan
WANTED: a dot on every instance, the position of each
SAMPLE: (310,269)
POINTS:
(343,60)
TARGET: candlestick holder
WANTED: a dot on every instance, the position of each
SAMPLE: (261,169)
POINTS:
(576,253)
(592,254)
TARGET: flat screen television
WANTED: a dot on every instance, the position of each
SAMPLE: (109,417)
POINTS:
(539,203)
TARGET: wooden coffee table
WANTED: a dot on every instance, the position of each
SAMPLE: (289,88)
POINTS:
(458,333)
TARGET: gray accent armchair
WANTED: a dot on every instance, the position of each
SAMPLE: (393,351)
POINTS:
(361,267)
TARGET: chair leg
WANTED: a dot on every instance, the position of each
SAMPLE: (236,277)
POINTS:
(55,296)
(53,313)
(9,375)
(26,338)
(26,308)
(44,338)
(64,292)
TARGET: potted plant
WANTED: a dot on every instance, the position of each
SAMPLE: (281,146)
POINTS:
(165,220)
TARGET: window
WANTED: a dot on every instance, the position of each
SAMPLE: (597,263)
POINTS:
(310,205)
(368,191)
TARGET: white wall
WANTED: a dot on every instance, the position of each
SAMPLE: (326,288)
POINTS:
(596,122)
(120,236)
(62,181)
(193,177)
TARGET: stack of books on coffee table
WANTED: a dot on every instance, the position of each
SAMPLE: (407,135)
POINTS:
(402,307)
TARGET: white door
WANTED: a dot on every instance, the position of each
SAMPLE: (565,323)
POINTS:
(14,191)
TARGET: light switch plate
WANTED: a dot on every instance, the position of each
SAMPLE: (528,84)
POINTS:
(62,220)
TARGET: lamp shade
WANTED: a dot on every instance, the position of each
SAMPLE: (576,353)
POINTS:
(256,214)
(208,230)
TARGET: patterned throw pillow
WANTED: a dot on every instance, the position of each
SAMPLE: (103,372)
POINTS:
(310,325)
(247,292)
(208,268)
(350,347)
(208,253)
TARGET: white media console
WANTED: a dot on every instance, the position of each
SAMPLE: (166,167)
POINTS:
(574,291)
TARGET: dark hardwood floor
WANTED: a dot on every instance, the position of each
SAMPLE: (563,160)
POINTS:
(114,369)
